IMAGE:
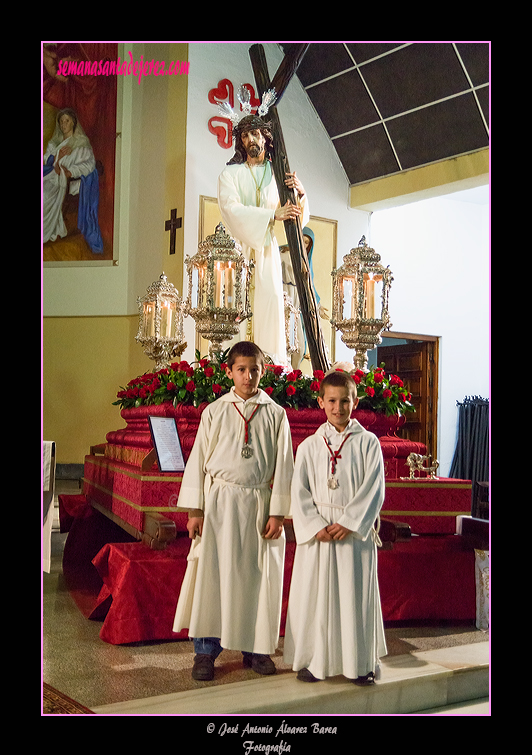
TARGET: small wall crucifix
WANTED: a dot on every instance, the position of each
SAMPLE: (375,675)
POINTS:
(172,225)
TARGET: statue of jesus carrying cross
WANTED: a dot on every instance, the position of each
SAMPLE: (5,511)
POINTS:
(255,189)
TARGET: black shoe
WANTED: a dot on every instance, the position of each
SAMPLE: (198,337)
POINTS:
(304,675)
(261,664)
(365,681)
(203,669)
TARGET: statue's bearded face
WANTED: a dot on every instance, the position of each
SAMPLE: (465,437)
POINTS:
(254,142)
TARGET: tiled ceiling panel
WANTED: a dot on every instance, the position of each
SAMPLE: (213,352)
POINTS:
(393,106)
(343,103)
(413,76)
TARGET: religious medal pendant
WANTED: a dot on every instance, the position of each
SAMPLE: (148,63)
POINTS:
(247,451)
(332,482)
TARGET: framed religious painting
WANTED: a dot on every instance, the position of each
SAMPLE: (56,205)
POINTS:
(79,144)
(320,236)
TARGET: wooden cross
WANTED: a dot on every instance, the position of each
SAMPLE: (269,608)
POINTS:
(172,225)
(293,229)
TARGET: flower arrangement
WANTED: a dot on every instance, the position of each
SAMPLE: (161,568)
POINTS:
(180,383)
(290,388)
(382,393)
(183,383)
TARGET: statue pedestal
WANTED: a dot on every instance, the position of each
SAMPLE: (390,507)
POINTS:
(120,482)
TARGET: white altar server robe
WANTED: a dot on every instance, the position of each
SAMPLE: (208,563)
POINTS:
(252,226)
(234,580)
(334,622)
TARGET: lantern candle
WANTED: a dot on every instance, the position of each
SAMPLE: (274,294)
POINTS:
(229,286)
(369,296)
(218,292)
(166,319)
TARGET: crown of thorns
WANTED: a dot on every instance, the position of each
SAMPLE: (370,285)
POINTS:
(253,121)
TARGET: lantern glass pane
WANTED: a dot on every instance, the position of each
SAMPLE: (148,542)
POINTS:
(194,288)
(372,295)
(148,320)
(349,296)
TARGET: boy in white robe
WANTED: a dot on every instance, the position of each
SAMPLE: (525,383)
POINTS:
(237,485)
(334,622)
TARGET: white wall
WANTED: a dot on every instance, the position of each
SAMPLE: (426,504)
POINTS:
(438,251)
(309,150)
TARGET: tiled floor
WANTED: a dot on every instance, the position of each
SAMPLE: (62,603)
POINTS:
(450,678)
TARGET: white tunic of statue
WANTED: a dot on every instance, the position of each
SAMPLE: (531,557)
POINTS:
(233,584)
(80,162)
(334,622)
(252,226)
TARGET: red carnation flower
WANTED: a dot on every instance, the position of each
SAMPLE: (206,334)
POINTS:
(209,372)
(290,390)
(318,374)
(291,377)
(268,390)
(278,369)
(386,393)
(216,388)
(378,377)
(204,362)
(190,386)
(153,386)
(170,385)
(370,391)
(314,386)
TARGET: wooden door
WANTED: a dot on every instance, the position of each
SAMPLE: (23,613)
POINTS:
(416,363)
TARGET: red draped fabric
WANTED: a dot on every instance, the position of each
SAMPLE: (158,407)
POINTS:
(428,578)
(134,589)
